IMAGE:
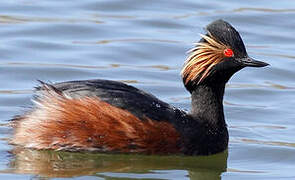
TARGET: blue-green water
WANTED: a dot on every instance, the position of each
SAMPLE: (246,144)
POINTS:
(144,43)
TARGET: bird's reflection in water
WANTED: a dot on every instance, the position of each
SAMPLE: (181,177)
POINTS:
(67,164)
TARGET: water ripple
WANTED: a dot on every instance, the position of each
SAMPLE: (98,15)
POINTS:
(272,143)
(127,40)
(5,19)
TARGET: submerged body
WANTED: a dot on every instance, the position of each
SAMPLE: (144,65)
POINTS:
(109,116)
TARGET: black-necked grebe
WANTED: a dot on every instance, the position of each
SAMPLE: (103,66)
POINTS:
(109,116)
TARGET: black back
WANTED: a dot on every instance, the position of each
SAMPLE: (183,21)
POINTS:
(121,95)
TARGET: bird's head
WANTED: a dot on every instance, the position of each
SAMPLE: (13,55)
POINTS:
(216,57)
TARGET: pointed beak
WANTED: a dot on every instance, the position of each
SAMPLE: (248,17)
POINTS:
(247,61)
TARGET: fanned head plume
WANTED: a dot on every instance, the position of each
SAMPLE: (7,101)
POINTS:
(203,58)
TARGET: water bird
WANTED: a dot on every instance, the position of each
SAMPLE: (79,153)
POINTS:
(110,116)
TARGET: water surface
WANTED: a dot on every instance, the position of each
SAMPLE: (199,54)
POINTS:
(143,43)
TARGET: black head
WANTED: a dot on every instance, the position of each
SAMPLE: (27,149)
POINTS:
(224,33)
(217,56)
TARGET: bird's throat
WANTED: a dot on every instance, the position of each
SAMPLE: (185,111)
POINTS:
(207,104)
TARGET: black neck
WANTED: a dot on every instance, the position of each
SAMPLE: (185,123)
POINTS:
(204,130)
(207,104)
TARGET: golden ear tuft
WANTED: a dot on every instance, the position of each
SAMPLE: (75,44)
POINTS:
(202,58)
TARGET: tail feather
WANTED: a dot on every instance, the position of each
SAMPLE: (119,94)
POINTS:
(47,89)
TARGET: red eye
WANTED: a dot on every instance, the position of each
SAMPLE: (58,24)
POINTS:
(228,53)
